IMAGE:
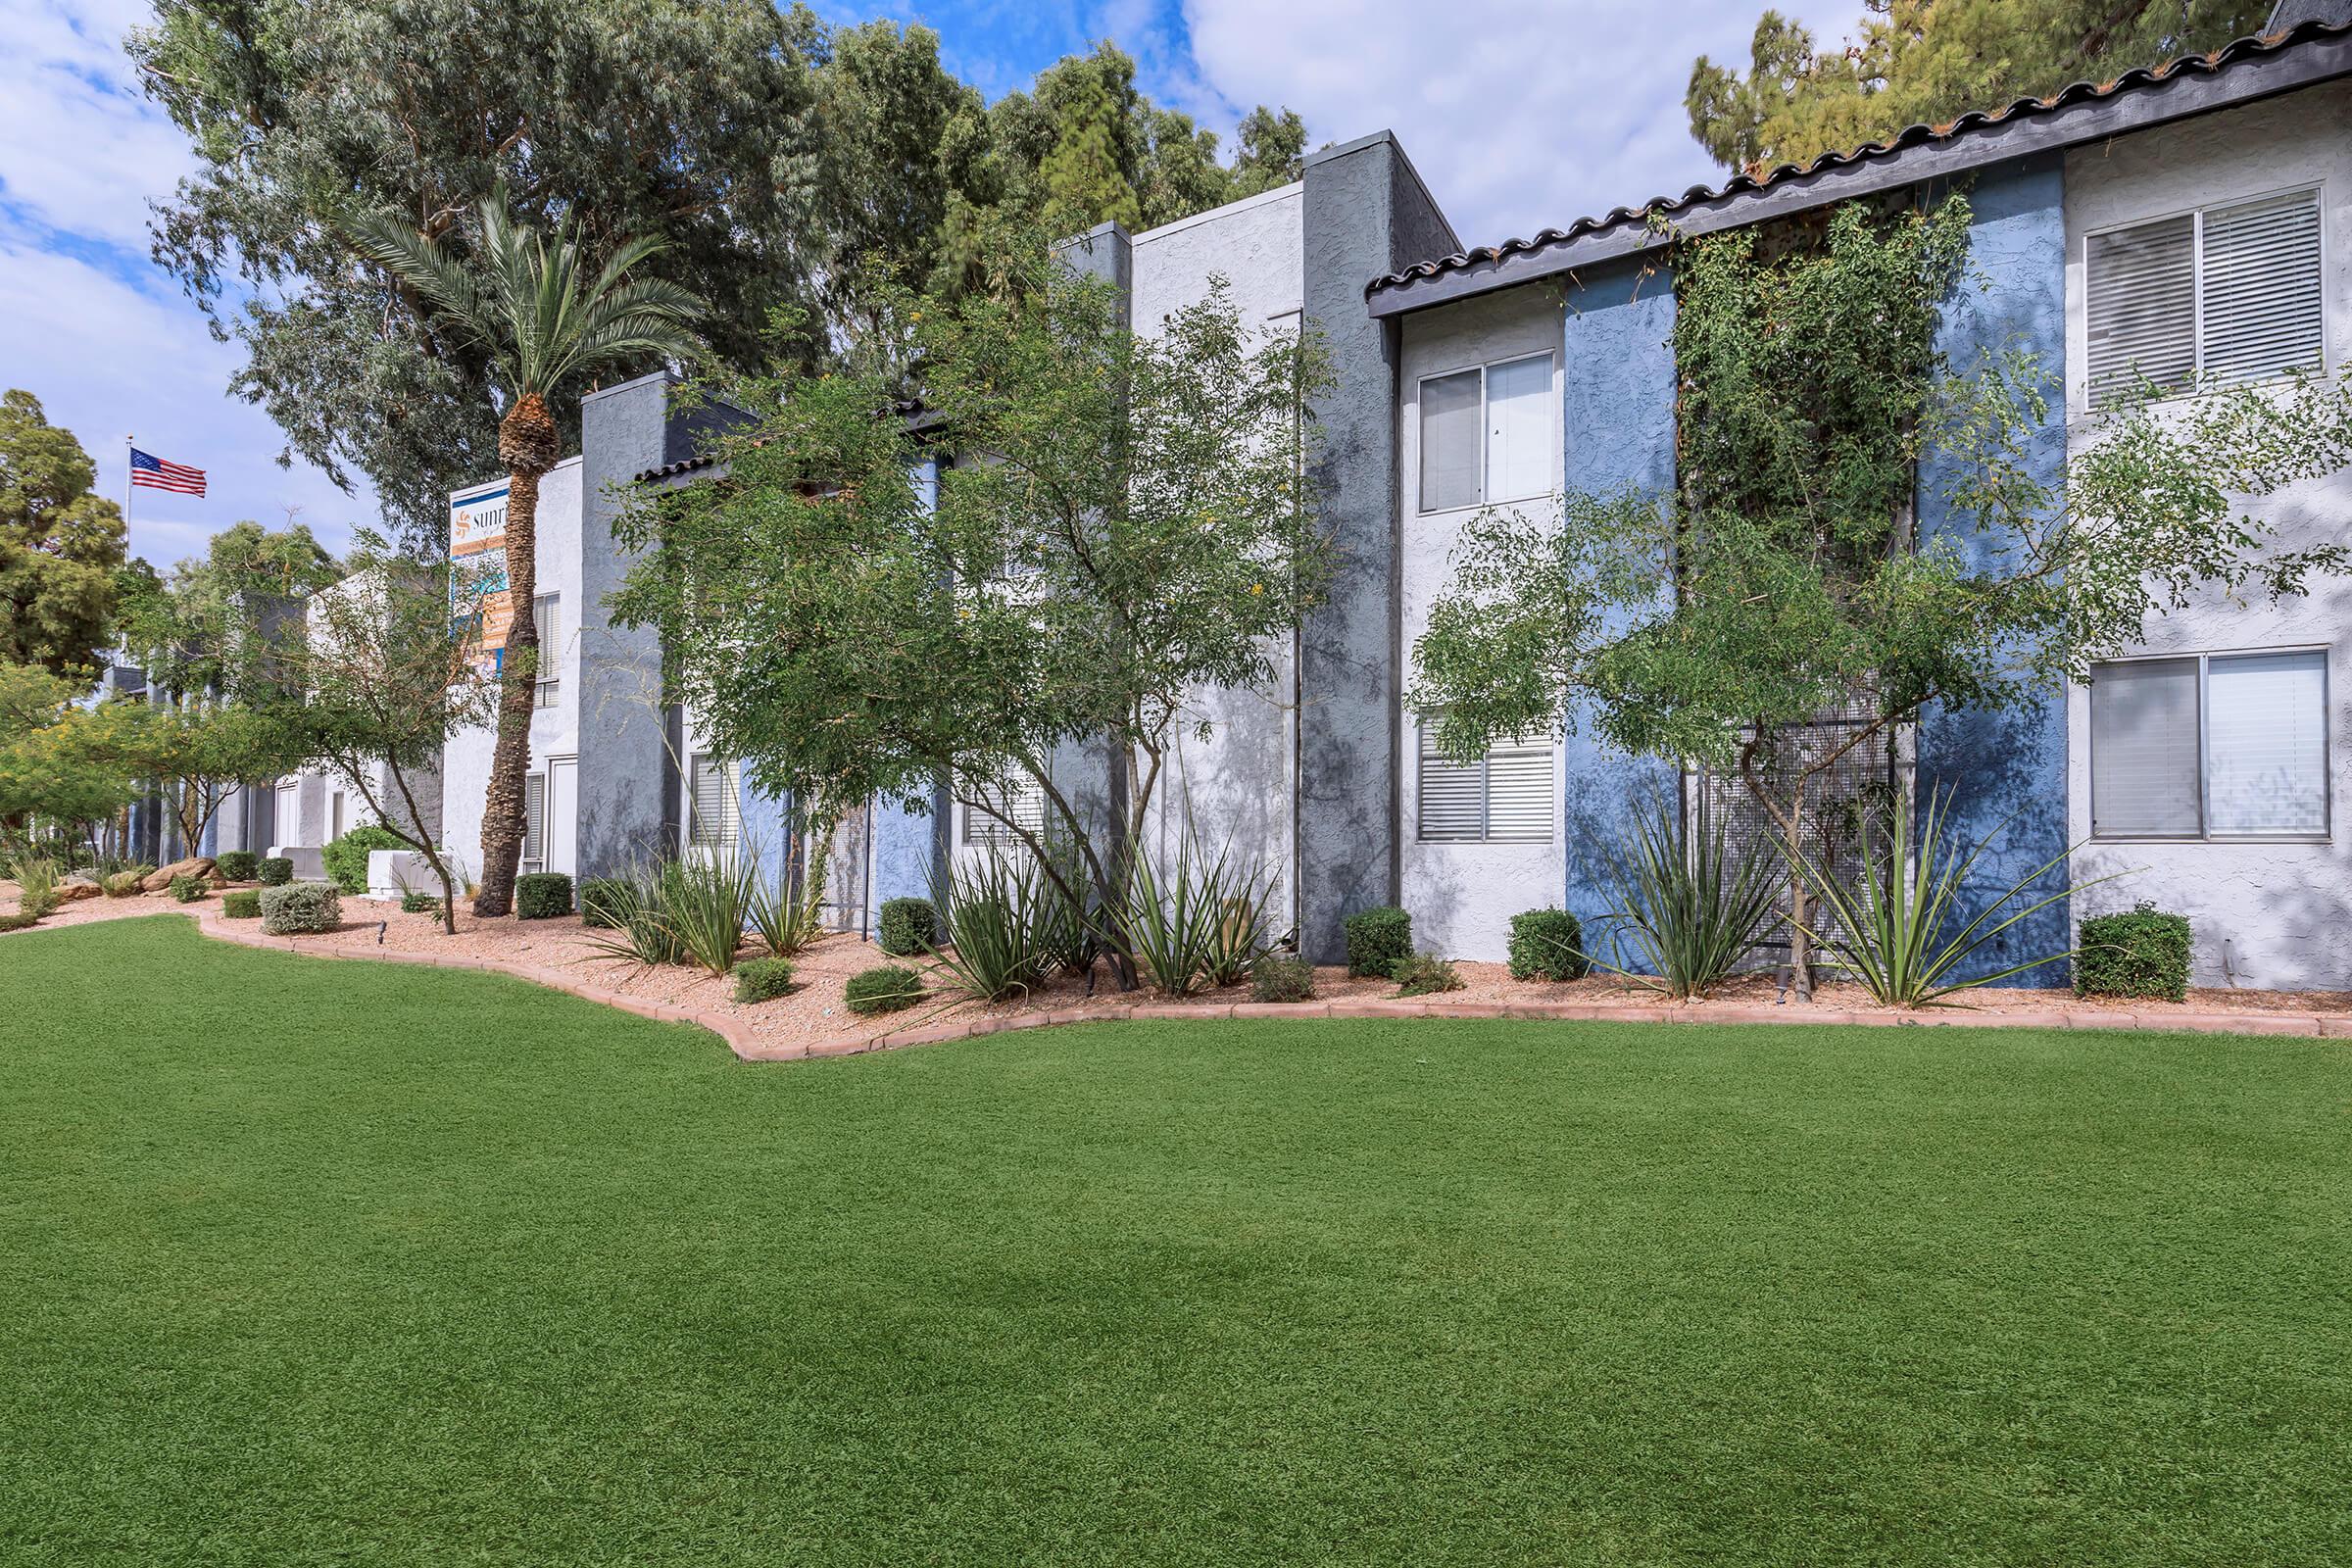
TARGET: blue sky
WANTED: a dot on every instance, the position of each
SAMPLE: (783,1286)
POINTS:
(112,347)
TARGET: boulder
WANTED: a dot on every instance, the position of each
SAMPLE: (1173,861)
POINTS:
(78,888)
(160,880)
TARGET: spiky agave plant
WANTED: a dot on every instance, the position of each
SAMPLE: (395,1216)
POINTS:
(1689,912)
(1895,929)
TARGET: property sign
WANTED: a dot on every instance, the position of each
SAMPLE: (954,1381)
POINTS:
(478,540)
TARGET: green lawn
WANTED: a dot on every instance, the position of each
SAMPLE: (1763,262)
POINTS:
(306,1262)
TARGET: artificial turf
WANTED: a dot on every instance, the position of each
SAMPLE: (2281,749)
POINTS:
(312,1262)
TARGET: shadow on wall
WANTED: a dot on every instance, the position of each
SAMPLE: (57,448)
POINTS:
(2003,777)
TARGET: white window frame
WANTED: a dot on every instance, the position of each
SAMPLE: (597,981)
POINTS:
(1424,755)
(550,683)
(2316,189)
(727,837)
(2205,834)
(527,863)
(1484,431)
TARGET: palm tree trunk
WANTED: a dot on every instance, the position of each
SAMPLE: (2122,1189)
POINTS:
(526,441)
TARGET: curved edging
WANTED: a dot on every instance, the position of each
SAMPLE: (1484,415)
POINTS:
(741,1041)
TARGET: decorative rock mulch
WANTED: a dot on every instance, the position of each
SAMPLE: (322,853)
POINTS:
(811,1023)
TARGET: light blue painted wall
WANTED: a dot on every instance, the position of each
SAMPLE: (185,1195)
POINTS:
(2006,770)
(909,847)
(1617,394)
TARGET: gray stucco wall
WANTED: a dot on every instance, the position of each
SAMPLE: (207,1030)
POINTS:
(2003,774)
(1618,420)
(2264,915)
(1365,213)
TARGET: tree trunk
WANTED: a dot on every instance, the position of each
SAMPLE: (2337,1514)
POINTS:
(526,443)
(1800,942)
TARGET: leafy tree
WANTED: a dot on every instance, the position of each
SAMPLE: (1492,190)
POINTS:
(384,682)
(1137,535)
(48,768)
(547,324)
(1785,580)
(198,750)
(60,545)
(1925,62)
(205,630)
(681,121)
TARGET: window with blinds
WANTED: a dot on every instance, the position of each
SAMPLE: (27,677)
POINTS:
(1503,797)
(2228,294)
(1487,434)
(1026,806)
(547,612)
(534,823)
(2211,745)
(714,810)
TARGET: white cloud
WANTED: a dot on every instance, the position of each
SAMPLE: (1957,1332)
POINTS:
(1519,117)
(81,149)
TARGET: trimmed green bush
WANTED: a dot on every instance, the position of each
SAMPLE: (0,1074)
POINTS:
(762,979)
(301,909)
(1281,977)
(1424,974)
(242,904)
(415,901)
(885,988)
(237,865)
(17,920)
(602,902)
(909,926)
(2142,951)
(276,871)
(1548,945)
(346,859)
(1377,938)
(189,889)
(542,896)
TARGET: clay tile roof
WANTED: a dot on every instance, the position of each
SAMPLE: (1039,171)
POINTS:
(2081,92)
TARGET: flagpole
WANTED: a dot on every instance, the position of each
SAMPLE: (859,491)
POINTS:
(128,442)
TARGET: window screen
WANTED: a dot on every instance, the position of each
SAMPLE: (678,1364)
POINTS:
(2266,743)
(1504,796)
(1519,429)
(1451,448)
(2143,750)
(534,821)
(2142,308)
(714,810)
(1026,807)
(2261,274)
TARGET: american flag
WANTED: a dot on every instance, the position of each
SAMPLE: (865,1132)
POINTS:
(157,474)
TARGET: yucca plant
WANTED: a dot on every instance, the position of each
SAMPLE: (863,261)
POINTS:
(986,913)
(1062,929)
(635,913)
(787,913)
(1689,913)
(1891,929)
(708,901)
(1199,922)
(36,884)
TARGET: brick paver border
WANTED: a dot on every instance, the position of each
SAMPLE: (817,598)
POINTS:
(741,1040)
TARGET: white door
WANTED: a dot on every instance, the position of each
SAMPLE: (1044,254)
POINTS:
(562,814)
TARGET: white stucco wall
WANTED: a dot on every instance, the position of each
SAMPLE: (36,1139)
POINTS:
(1462,895)
(1236,786)
(2278,914)
(555,732)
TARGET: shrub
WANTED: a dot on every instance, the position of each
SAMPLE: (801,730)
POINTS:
(907,926)
(189,889)
(991,947)
(1281,977)
(17,920)
(415,901)
(1194,923)
(1377,938)
(299,909)
(886,988)
(1424,974)
(277,870)
(788,919)
(542,896)
(707,904)
(762,979)
(346,859)
(2140,952)
(36,885)
(1548,945)
(242,904)
(602,902)
(125,884)
(237,865)
(1692,911)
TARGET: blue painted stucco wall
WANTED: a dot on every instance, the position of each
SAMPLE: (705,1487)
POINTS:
(1617,419)
(2004,773)
(909,846)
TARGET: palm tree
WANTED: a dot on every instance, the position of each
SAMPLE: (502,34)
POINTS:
(527,301)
